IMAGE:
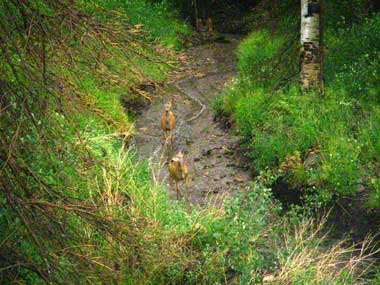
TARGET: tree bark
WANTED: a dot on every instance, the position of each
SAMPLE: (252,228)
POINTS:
(311,74)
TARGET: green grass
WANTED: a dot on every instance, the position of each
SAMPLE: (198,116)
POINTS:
(158,19)
(100,217)
(332,140)
(80,194)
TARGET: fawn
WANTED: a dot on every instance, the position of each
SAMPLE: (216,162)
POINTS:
(178,172)
(198,25)
(168,123)
(210,29)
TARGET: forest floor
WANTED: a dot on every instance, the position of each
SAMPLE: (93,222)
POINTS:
(212,153)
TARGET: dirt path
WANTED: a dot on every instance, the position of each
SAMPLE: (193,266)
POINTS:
(211,153)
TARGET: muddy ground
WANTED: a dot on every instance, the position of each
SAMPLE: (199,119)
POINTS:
(216,168)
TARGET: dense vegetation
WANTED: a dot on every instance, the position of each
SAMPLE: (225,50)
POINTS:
(325,147)
(76,208)
(65,175)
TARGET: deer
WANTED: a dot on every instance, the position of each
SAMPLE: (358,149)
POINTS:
(178,172)
(168,123)
(209,25)
(198,25)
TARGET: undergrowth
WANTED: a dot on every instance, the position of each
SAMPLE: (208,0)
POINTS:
(328,146)
(66,201)
(156,17)
(76,207)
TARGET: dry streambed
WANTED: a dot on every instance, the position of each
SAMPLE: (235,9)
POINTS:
(216,169)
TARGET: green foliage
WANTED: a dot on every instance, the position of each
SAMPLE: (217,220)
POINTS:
(354,64)
(158,19)
(325,145)
(255,51)
(75,205)
(69,189)
(251,239)
(243,235)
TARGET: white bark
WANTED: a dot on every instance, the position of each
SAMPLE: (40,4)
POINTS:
(311,46)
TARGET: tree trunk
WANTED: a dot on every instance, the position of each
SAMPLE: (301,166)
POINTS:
(311,45)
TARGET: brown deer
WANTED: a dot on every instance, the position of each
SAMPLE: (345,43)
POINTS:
(198,25)
(209,25)
(178,172)
(168,123)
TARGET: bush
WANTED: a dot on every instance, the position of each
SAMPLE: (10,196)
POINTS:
(251,242)
(325,146)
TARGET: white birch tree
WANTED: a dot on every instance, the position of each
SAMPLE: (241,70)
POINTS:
(311,45)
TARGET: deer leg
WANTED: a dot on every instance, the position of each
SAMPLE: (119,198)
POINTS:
(171,138)
(164,138)
(187,183)
(177,189)
(171,188)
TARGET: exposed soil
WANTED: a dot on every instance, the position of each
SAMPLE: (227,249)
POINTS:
(211,153)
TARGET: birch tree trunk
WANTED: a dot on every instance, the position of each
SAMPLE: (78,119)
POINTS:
(311,45)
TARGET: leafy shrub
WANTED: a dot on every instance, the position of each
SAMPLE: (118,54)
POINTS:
(324,145)
(252,241)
